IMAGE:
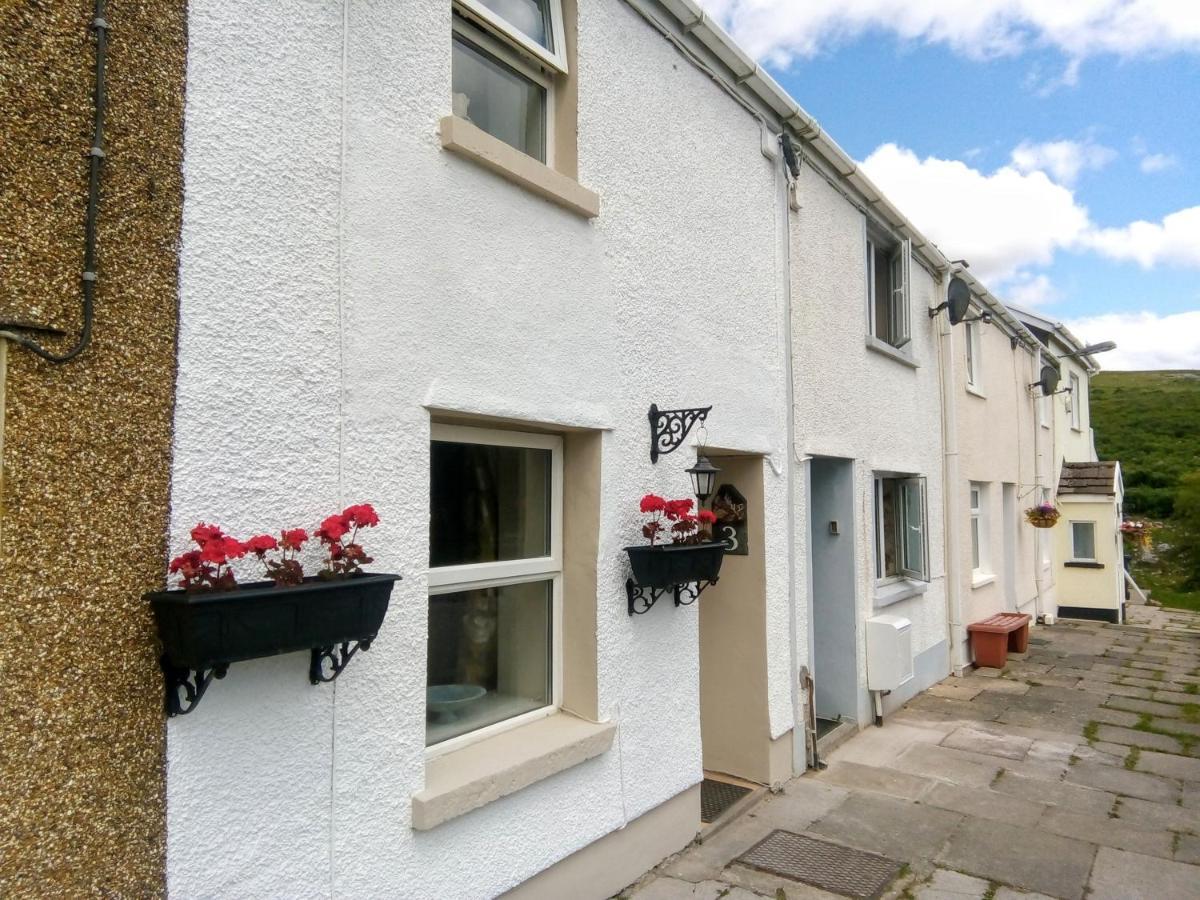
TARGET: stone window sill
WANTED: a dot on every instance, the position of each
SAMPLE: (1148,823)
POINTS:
(885,349)
(887,594)
(1083,564)
(471,142)
(466,779)
(981,580)
(973,390)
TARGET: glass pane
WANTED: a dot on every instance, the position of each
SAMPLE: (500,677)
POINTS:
(914,538)
(532,17)
(489,657)
(890,527)
(1084,540)
(883,296)
(975,542)
(488,504)
(498,99)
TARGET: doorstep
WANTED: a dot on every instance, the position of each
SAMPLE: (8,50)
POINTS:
(835,737)
(754,793)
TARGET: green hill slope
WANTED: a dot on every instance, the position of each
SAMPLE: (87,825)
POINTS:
(1150,421)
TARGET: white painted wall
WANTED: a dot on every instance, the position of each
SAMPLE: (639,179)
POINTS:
(340,276)
(856,403)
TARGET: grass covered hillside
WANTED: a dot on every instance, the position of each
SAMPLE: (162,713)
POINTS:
(1150,421)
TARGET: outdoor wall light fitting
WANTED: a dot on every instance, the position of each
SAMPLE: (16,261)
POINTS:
(669,427)
(704,477)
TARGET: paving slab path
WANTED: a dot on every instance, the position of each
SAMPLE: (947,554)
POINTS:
(1073,773)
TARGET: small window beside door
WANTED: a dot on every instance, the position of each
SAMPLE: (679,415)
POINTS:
(901,545)
(979,530)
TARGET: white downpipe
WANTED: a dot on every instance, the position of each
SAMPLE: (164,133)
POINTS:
(800,719)
(1039,474)
(950,491)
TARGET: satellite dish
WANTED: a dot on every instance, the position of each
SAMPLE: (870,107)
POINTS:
(958,298)
(1049,380)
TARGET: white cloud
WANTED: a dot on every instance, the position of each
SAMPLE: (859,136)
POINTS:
(999,222)
(1028,291)
(1157,162)
(1173,241)
(1145,340)
(780,30)
(1063,160)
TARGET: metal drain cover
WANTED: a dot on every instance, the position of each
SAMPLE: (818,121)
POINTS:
(718,796)
(851,873)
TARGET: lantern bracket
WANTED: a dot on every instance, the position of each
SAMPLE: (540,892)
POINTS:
(669,427)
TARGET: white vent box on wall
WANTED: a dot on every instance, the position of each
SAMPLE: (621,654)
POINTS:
(889,652)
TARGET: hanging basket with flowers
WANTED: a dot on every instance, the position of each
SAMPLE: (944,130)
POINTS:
(681,549)
(211,620)
(1044,515)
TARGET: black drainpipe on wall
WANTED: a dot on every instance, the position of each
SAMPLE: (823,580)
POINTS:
(96,157)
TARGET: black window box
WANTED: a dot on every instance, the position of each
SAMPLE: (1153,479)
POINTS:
(202,633)
(684,569)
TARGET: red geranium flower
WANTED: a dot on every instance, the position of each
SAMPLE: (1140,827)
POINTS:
(677,509)
(707,516)
(361,515)
(261,543)
(293,538)
(203,533)
(332,529)
(186,563)
(653,503)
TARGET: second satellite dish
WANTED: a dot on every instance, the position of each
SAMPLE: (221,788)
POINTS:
(1049,380)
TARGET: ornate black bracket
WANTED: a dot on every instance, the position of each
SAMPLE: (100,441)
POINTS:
(642,598)
(193,684)
(669,427)
(338,657)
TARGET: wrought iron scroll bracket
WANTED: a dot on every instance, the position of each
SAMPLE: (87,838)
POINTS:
(691,591)
(191,682)
(642,598)
(338,657)
(669,427)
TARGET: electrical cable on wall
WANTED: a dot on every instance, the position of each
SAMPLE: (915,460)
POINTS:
(95,158)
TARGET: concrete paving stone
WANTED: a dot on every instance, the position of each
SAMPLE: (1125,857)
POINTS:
(984,804)
(947,885)
(1153,684)
(1025,857)
(1169,765)
(1143,706)
(1131,738)
(880,746)
(802,801)
(1108,832)
(1007,893)
(1111,668)
(1052,751)
(1191,795)
(877,780)
(1060,681)
(991,741)
(961,709)
(1177,697)
(1057,793)
(898,829)
(1031,701)
(955,689)
(1089,674)
(1121,875)
(987,672)
(1120,690)
(1002,685)
(1176,725)
(1115,717)
(666,888)
(1025,668)
(765,885)
(1166,816)
(1058,695)
(1188,849)
(1102,752)
(945,764)
(1119,780)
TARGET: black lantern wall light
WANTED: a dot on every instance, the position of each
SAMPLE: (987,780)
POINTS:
(683,570)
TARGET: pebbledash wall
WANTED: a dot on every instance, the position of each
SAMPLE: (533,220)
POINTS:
(859,403)
(342,278)
(85,446)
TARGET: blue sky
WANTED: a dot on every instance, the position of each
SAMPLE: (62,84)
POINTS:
(1026,141)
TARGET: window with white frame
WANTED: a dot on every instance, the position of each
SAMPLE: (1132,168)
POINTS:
(1076,411)
(495,579)
(974,357)
(506,57)
(888,290)
(979,531)
(1083,541)
(901,546)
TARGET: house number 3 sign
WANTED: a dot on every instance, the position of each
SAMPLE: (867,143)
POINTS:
(729,506)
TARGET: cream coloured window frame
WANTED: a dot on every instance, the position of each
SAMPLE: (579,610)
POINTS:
(555,58)
(450,579)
